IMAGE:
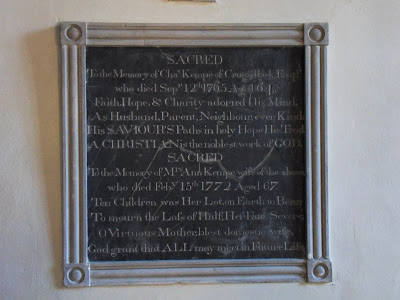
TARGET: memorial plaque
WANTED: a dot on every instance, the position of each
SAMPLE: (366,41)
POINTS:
(194,153)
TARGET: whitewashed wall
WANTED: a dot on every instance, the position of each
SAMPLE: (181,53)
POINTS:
(364,143)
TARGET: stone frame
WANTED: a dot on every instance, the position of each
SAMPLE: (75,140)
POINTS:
(78,271)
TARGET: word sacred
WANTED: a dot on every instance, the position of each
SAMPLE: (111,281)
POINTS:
(192,59)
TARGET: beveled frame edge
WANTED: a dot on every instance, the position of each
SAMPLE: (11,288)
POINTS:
(76,268)
(319,265)
(78,271)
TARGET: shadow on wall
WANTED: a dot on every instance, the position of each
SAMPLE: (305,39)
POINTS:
(43,50)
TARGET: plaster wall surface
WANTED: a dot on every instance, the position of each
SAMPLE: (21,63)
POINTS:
(364,143)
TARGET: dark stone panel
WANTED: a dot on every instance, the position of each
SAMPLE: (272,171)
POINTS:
(195,153)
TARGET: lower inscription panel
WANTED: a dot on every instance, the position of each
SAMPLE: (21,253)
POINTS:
(195,153)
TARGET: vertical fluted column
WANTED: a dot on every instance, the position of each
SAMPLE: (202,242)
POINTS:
(73,39)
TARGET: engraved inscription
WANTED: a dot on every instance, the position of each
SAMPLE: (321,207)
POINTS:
(195,153)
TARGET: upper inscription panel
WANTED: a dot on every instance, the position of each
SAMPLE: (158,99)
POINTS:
(195,153)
